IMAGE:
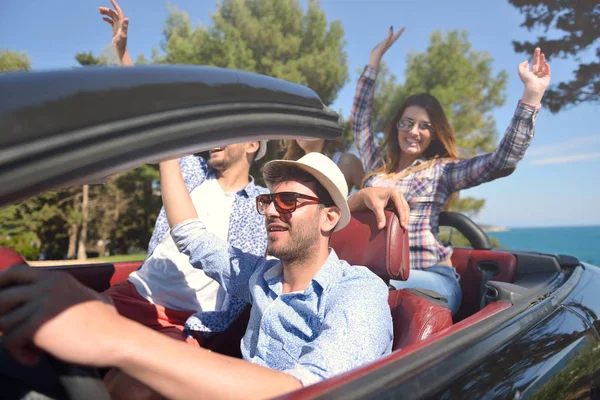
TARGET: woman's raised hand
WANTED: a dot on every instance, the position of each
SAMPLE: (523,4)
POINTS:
(536,77)
(379,50)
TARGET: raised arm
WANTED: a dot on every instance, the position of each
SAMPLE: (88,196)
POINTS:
(360,116)
(176,198)
(459,175)
(194,170)
(119,25)
(229,266)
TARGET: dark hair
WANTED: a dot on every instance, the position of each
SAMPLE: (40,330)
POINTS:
(286,173)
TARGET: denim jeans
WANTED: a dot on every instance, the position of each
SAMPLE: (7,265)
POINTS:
(439,278)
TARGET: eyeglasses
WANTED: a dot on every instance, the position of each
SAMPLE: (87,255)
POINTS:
(406,124)
(285,202)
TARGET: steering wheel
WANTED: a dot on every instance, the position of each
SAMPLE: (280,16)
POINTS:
(476,236)
(78,382)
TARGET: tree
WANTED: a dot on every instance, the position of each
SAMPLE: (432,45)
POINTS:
(579,22)
(81,247)
(13,61)
(88,59)
(270,37)
(107,56)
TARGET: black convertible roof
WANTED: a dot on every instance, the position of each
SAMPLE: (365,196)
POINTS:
(67,127)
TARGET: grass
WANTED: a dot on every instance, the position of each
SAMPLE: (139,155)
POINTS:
(119,258)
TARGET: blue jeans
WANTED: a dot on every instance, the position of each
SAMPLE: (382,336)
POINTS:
(439,278)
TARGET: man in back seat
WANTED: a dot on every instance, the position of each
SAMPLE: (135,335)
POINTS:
(167,290)
(313,316)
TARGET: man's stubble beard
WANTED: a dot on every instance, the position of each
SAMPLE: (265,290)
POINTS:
(298,248)
(219,165)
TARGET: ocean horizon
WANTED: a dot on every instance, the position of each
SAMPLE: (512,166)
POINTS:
(578,241)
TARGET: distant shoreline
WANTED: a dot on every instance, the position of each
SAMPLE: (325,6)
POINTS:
(492,228)
(495,228)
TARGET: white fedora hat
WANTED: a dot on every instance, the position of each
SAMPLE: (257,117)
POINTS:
(327,173)
(262,150)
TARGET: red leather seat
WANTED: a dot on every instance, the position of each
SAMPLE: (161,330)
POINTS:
(9,257)
(386,253)
(466,262)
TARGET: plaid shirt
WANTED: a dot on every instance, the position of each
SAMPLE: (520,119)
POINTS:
(427,190)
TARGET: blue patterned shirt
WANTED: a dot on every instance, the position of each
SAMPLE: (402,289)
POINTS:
(246,231)
(341,321)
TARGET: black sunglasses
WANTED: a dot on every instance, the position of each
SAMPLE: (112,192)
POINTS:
(285,202)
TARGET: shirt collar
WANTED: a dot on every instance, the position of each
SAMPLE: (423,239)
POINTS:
(418,161)
(251,189)
(325,276)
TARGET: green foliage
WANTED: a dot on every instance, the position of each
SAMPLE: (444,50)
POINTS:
(574,377)
(469,206)
(39,222)
(122,213)
(107,57)
(270,37)
(456,239)
(13,61)
(579,23)
(141,60)
(88,59)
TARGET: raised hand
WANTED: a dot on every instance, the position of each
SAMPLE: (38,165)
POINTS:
(379,50)
(536,79)
(119,25)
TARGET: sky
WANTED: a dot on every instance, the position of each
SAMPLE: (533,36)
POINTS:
(556,184)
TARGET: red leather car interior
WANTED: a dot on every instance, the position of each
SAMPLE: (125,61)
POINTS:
(386,253)
(320,389)
(415,318)
(9,257)
(466,262)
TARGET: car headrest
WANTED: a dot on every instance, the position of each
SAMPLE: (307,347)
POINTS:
(385,252)
(9,257)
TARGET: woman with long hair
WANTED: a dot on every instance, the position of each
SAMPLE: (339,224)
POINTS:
(349,164)
(419,157)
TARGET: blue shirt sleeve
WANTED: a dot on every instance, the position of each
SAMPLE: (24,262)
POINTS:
(229,266)
(357,329)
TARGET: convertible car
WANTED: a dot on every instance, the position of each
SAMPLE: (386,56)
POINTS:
(528,325)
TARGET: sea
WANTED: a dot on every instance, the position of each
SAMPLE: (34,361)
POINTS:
(581,242)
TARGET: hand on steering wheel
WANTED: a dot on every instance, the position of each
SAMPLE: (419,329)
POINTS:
(35,309)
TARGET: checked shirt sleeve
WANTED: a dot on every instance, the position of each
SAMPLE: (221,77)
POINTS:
(463,174)
(360,118)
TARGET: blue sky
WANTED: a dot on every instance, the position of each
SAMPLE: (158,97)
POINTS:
(557,182)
